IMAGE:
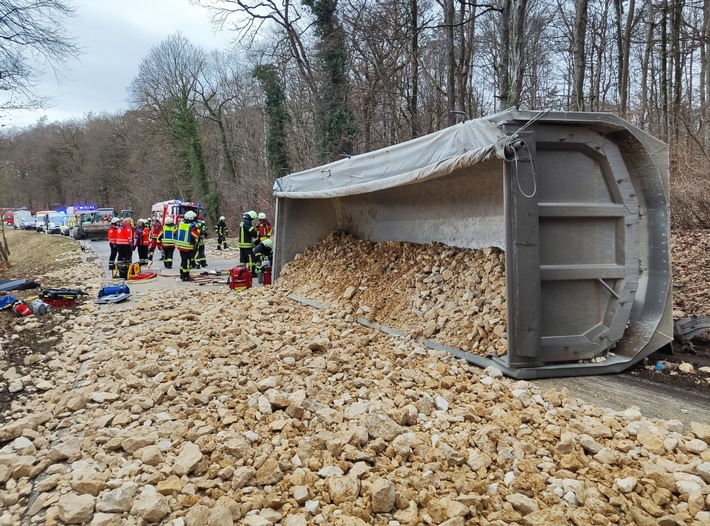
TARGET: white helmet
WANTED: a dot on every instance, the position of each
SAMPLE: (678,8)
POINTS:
(190,215)
(262,215)
(168,220)
(221,218)
(115,220)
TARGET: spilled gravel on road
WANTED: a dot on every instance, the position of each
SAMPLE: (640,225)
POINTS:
(202,405)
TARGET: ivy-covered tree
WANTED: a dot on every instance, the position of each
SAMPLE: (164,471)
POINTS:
(278,119)
(335,126)
(166,85)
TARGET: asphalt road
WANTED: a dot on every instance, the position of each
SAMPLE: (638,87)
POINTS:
(617,392)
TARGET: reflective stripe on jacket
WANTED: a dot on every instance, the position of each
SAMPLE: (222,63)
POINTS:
(124,235)
(247,234)
(167,236)
(112,233)
(185,236)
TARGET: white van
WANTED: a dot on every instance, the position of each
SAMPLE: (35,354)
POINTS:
(20,218)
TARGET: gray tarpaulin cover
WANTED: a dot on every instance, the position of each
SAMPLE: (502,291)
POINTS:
(426,157)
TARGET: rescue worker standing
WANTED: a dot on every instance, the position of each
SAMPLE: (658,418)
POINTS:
(124,243)
(221,229)
(155,229)
(248,235)
(142,241)
(186,237)
(112,233)
(264,227)
(200,259)
(166,239)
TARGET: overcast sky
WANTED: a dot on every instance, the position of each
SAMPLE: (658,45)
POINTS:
(115,36)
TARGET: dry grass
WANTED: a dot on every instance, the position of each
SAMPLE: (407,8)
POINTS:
(33,254)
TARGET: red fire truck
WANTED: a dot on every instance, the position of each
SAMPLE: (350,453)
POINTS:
(176,209)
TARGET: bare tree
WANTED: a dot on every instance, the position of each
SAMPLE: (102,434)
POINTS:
(32,38)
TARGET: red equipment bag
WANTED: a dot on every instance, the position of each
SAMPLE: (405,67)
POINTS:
(239,278)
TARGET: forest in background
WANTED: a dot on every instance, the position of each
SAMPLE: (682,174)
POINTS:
(311,81)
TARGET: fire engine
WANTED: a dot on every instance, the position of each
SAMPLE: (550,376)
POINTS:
(176,209)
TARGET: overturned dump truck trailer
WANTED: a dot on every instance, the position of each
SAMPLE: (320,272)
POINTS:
(579,202)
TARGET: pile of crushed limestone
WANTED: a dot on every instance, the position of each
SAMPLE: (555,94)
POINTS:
(192,406)
(452,295)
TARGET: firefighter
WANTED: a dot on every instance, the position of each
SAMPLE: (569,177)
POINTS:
(264,227)
(155,229)
(263,251)
(200,260)
(186,237)
(248,235)
(142,241)
(221,229)
(112,232)
(124,245)
(166,240)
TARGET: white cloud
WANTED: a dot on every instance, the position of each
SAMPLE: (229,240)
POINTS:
(115,36)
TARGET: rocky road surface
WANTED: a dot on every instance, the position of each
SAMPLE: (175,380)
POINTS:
(197,405)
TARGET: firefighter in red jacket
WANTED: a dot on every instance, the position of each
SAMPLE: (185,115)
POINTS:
(142,241)
(124,244)
(155,229)
(186,237)
(264,227)
(112,233)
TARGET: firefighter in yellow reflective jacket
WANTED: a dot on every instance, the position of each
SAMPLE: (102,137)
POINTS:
(186,236)
(166,240)
(200,259)
(248,235)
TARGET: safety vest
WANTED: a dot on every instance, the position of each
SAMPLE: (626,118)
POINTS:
(184,240)
(144,237)
(264,228)
(202,226)
(247,234)
(124,235)
(112,233)
(167,236)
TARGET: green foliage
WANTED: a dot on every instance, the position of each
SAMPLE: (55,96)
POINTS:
(276,143)
(185,133)
(335,125)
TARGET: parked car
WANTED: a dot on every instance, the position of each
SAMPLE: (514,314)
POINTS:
(8,218)
(28,223)
(53,222)
(19,216)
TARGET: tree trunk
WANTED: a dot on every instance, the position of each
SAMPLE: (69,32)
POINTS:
(705,74)
(624,44)
(504,67)
(580,32)
(451,59)
(413,99)
(645,64)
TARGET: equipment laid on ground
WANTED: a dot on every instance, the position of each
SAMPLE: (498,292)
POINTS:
(39,307)
(61,297)
(579,202)
(239,278)
(263,271)
(21,308)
